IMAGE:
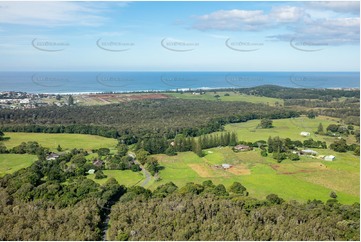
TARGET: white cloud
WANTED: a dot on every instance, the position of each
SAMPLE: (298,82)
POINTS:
(286,14)
(51,13)
(339,7)
(335,31)
(249,20)
(296,20)
(232,20)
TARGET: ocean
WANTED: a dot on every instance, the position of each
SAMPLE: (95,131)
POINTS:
(96,82)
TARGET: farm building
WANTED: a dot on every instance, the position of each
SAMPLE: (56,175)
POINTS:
(97,163)
(304,134)
(242,148)
(91,171)
(52,156)
(329,158)
(308,152)
(226,166)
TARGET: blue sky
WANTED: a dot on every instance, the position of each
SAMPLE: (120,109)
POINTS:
(180,36)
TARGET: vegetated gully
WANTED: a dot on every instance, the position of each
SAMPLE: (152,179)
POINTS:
(105,213)
(106,209)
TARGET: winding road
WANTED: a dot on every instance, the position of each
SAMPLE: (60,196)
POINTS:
(146,173)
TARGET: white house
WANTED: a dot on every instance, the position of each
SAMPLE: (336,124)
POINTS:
(303,133)
(226,166)
(52,156)
(329,158)
(308,152)
(91,171)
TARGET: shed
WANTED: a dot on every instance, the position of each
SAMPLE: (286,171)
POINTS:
(308,152)
(226,166)
(52,156)
(329,158)
(97,163)
(91,171)
(304,133)
(242,147)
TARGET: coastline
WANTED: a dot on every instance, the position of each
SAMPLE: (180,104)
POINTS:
(195,89)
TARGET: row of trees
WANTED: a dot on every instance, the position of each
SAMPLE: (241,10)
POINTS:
(181,143)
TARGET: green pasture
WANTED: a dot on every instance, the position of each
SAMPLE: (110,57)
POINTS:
(9,163)
(66,141)
(127,178)
(285,128)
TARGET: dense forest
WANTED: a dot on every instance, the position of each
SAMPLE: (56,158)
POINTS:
(136,119)
(299,93)
(209,212)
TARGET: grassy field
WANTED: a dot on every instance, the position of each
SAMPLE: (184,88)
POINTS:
(127,177)
(308,178)
(9,163)
(232,97)
(301,180)
(285,128)
(66,141)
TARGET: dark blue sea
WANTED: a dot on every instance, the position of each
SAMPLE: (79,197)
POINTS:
(85,82)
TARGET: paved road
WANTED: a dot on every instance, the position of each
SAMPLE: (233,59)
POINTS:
(146,173)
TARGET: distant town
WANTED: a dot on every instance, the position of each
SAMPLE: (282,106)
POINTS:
(23,100)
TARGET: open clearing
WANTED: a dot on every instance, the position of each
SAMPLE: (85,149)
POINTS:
(9,163)
(285,128)
(209,95)
(126,178)
(66,141)
(103,99)
(308,178)
(298,180)
(201,169)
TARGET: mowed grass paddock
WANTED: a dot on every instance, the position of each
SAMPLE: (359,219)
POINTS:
(66,141)
(9,163)
(308,178)
(127,178)
(292,180)
(285,128)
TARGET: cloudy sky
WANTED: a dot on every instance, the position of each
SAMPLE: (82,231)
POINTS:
(180,36)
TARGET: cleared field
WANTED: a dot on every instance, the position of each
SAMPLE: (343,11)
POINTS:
(103,99)
(127,178)
(66,141)
(301,180)
(285,128)
(9,163)
(209,95)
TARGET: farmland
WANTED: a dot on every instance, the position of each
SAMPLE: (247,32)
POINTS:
(301,180)
(285,128)
(127,178)
(9,163)
(66,141)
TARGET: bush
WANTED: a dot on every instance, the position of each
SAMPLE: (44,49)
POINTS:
(274,199)
(238,188)
(293,156)
(264,153)
(100,175)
